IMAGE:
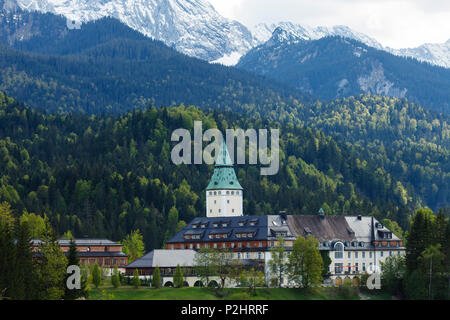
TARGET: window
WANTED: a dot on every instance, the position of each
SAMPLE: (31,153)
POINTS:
(259,255)
(232,210)
(215,245)
(247,255)
(214,201)
(390,253)
(349,255)
(381,253)
(228,201)
(232,192)
(260,244)
(239,255)
(198,245)
(219,210)
(191,246)
(370,254)
(223,245)
(356,267)
(338,268)
(356,254)
(338,250)
(240,244)
(371,267)
(364,267)
(232,245)
(363,254)
(249,244)
(228,192)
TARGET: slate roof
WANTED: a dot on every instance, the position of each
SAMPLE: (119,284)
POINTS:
(81,242)
(363,228)
(323,228)
(164,259)
(263,228)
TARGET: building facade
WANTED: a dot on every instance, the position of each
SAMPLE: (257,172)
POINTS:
(102,251)
(355,244)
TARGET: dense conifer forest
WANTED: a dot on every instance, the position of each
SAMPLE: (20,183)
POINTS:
(105,176)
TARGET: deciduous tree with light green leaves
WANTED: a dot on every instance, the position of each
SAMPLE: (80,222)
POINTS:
(278,262)
(133,245)
(252,279)
(305,262)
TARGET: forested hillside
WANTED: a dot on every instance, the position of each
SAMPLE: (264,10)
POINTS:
(107,67)
(335,67)
(105,176)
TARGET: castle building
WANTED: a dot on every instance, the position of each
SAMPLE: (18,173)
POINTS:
(354,244)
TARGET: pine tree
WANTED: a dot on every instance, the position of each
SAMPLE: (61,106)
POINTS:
(156,279)
(24,264)
(96,275)
(73,260)
(115,280)
(136,281)
(7,251)
(178,278)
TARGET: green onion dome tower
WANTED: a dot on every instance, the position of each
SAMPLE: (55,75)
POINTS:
(224,192)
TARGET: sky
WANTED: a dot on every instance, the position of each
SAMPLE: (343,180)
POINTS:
(393,23)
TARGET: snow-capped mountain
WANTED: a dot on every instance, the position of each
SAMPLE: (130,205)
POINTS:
(191,26)
(263,32)
(195,28)
(434,53)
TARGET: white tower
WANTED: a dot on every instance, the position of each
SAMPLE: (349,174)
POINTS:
(224,193)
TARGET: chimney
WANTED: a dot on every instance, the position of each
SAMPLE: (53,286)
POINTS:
(283,215)
(359,217)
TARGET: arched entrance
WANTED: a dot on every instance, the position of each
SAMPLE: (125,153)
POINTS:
(185,284)
(213,284)
(168,284)
(198,283)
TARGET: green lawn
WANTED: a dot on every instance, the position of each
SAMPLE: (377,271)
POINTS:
(145,293)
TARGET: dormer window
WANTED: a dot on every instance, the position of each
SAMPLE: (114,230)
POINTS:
(361,244)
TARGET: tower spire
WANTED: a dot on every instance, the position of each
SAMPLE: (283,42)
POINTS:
(224,192)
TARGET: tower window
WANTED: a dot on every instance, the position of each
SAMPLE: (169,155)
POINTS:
(228,192)
(232,210)
(228,201)
(232,192)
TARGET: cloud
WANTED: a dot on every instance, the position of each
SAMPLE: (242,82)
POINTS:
(394,23)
